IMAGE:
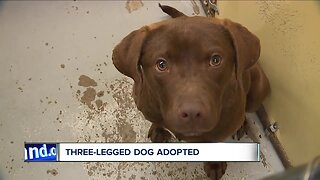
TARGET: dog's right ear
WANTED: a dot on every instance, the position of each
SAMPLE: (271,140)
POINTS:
(246,44)
(127,53)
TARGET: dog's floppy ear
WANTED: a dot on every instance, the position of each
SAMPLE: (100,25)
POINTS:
(246,44)
(127,53)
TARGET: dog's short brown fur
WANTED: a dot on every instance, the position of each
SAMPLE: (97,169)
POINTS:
(195,76)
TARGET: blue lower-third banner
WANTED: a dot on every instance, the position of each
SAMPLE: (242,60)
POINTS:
(148,152)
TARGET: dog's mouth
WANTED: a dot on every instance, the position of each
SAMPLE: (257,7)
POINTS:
(186,134)
(192,134)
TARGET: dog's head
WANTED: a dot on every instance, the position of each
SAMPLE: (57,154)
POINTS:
(187,64)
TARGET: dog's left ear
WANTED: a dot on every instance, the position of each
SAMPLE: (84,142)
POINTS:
(127,53)
(246,44)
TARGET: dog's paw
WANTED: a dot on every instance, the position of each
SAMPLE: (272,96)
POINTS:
(242,131)
(158,134)
(215,170)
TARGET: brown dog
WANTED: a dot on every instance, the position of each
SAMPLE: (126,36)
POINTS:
(195,76)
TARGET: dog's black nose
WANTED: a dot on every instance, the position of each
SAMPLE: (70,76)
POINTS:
(191,112)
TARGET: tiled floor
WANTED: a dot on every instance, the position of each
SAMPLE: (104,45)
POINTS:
(49,52)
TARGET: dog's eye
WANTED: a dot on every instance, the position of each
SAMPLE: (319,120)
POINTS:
(215,60)
(161,65)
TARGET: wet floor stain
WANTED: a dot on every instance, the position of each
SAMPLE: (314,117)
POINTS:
(133,5)
(53,172)
(86,81)
(88,96)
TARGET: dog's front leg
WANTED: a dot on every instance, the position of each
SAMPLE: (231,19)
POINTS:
(158,134)
(242,131)
(215,170)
